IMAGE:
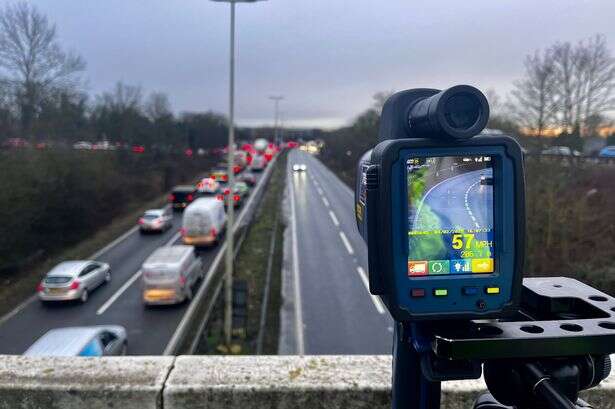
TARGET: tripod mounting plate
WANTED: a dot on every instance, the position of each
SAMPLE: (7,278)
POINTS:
(558,317)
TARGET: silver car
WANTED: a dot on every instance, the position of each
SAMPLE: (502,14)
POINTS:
(102,340)
(156,220)
(73,280)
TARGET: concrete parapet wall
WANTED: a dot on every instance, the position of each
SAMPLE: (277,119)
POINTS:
(246,382)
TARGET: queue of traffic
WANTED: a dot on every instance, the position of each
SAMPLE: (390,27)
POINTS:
(170,274)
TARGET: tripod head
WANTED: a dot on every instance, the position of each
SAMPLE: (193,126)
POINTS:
(442,211)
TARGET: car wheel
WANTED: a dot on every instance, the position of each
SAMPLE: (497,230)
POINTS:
(84,296)
(108,276)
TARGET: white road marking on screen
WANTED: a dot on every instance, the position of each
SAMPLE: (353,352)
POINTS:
(334,218)
(375,300)
(467,204)
(325,201)
(347,243)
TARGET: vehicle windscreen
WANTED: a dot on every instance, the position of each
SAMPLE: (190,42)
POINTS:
(181,196)
(57,280)
(151,216)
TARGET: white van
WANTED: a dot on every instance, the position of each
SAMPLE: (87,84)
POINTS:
(204,222)
(170,274)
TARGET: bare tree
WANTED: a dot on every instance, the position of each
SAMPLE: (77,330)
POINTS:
(570,63)
(31,59)
(599,80)
(535,95)
(158,107)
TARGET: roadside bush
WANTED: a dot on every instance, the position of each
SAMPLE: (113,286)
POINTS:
(54,198)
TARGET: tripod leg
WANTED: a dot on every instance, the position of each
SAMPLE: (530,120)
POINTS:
(411,390)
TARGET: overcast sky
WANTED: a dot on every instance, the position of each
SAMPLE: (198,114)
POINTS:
(327,57)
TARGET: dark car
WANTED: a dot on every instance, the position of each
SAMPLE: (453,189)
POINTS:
(182,196)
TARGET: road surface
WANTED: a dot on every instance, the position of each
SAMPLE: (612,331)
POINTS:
(338,314)
(117,303)
(460,202)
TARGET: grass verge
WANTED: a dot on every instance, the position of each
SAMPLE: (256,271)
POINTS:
(251,267)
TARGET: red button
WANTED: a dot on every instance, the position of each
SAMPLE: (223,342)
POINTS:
(417,292)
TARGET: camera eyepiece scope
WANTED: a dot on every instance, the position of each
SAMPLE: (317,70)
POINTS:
(459,112)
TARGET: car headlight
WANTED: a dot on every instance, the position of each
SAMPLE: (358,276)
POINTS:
(296,167)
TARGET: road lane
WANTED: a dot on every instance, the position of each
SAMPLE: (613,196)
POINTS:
(117,303)
(339,314)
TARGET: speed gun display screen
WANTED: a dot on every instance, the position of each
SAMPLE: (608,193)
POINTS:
(450,215)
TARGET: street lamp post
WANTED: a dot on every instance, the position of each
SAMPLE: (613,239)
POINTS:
(228,276)
(276,99)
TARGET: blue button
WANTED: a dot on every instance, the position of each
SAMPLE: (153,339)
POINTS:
(470,290)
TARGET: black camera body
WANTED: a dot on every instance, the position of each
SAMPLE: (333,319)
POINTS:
(442,213)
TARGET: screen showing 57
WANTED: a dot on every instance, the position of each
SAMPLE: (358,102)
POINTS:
(450,215)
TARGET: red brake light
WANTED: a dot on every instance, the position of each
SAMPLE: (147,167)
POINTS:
(225,178)
(182,231)
(171,198)
(236,198)
(74,285)
(39,287)
(182,280)
(190,198)
(214,232)
(213,177)
(220,197)
(141,221)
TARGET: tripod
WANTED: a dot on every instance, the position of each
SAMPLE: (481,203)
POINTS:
(566,350)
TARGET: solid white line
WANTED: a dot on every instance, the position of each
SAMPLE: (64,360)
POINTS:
(375,299)
(334,218)
(297,284)
(347,243)
(113,243)
(118,293)
(325,201)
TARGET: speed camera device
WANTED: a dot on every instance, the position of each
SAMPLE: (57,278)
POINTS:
(441,209)
(440,205)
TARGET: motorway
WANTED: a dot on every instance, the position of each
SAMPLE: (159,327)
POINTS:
(459,202)
(337,313)
(117,303)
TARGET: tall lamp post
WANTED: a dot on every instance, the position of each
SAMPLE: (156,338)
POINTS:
(276,99)
(228,276)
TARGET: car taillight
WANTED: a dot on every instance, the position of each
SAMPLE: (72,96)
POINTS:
(225,178)
(236,198)
(171,198)
(220,197)
(213,231)
(213,177)
(227,191)
(190,198)
(182,231)
(182,280)
(141,221)
(39,287)
(74,285)
(236,169)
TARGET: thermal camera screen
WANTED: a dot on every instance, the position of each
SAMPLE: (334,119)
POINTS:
(450,215)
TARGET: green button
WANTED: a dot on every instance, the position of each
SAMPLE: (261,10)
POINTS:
(440,292)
